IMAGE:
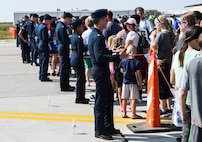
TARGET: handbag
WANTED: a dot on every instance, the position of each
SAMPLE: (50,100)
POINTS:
(176,114)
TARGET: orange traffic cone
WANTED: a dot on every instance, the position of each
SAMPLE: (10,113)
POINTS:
(153,111)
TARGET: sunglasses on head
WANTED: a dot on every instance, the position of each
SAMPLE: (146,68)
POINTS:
(158,20)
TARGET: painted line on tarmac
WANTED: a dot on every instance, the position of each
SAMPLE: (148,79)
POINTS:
(9,54)
(65,117)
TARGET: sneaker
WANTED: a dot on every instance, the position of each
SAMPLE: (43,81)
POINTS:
(163,114)
(139,100)
(169,112)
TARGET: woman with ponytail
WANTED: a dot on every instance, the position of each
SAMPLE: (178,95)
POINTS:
(163,40)
(188,50)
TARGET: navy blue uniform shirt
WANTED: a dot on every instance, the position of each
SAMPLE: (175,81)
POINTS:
(61,34)
(30,29)
(43,37)
(23,27)
(100,55)
(77,45)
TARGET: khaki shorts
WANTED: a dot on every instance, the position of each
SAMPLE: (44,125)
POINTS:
(130,91)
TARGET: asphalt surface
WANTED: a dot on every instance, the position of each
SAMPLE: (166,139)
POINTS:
(35,111)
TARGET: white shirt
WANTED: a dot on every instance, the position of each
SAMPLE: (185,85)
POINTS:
(85,35)
(132,35)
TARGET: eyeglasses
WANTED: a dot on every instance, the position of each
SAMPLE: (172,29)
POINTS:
(182,22)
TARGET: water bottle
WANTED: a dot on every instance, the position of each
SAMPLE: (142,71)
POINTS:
(35,69)
(49,101)
(74,125)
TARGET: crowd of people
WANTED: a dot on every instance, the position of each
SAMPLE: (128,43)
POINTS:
(88,46)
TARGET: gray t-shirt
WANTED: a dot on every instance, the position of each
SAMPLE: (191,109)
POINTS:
(165,46)
(191,79)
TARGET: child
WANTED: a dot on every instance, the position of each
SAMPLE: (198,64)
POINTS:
(130,68)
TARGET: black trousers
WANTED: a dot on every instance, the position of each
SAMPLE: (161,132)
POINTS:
(80,75)
(64,66)
(103,109)
(25,51)
(34,51)
(43,61)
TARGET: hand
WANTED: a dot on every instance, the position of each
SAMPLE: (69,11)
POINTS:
(36,39)
(153,35)
(25,40)
(123,54)
(140,87)
(117,49)
(185,118)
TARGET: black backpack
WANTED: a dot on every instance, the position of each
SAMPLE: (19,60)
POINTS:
(143,44)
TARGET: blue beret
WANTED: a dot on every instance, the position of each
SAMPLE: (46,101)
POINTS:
(99,13)
(74,24)
(67,14)
(47,17)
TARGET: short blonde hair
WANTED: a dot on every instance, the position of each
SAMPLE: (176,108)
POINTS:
(131,49)
(89,21)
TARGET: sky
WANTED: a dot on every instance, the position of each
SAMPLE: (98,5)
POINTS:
(8,7)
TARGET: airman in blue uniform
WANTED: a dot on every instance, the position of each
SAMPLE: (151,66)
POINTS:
(36,32)
(24,40)
(31,37)
(17,26)
(77,62)
(43,48)
(63,50)
(100,57)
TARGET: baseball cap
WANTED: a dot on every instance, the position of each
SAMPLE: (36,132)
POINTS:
(131,21)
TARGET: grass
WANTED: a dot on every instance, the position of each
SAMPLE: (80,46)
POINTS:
(4,31)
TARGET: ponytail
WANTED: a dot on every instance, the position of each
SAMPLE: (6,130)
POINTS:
(182,52)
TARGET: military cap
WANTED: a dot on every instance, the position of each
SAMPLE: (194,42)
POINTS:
(31,14)
(41,17)
(35,15)
(67,14)
(74,24)
(47,17)
(99,13)
(26,16)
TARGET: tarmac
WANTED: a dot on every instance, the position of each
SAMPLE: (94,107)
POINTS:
(35,111)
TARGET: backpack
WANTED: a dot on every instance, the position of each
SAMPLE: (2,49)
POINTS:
(143,44)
